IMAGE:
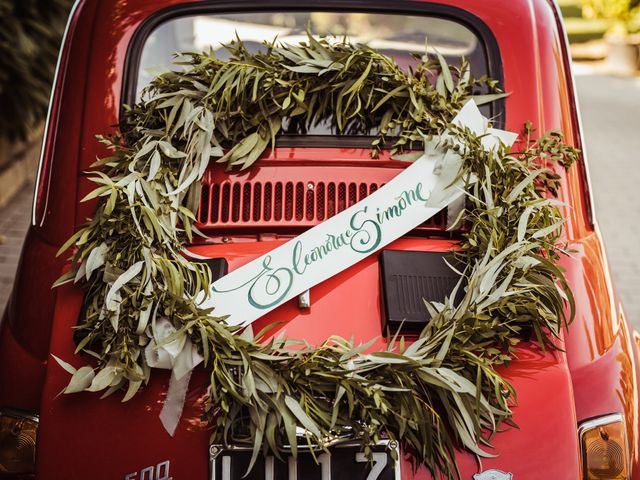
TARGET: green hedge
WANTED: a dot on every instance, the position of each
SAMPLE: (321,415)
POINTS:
(30,35)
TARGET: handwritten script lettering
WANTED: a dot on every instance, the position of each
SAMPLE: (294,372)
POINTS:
(363,235)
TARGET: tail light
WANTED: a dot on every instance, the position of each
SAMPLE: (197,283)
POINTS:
(18,435)
(604,448)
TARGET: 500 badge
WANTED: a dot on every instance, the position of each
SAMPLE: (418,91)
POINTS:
(157,472)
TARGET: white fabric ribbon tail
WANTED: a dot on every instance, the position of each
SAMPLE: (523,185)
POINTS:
(181,357)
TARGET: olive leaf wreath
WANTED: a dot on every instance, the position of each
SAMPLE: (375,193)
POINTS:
(440,392)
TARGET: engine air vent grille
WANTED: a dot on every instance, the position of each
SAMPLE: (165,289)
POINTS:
(255,204)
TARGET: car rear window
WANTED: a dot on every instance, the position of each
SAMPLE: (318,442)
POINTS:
(398,36)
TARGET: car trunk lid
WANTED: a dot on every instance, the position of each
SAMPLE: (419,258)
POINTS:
(108,439)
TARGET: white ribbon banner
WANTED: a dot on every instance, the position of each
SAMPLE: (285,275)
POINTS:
(412,197)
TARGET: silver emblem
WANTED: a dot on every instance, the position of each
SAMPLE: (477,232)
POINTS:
(493,475)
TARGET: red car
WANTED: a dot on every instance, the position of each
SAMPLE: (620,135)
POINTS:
(568,401)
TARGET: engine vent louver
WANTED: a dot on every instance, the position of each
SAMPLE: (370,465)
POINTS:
(253,204)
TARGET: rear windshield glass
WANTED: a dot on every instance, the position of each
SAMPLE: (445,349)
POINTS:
(397,36)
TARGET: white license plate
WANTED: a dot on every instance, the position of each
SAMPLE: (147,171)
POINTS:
(344,462)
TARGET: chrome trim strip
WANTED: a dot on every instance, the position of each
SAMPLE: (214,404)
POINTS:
(585,157)
(15,413)
(600,422)
(45,132)
(591,207)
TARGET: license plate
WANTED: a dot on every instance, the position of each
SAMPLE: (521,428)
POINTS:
(344,462)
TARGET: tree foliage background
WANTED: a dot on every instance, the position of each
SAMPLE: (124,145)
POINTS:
(30,36)
(621,11)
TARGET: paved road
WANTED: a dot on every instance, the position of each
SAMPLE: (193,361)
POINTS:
(611,114)
(14,220)
(611,118)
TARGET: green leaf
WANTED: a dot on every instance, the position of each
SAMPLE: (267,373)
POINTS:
(485,99)
(134,386)
(80,380)
(297,411)
(123,279)
(446,73)
(67,366)
(303,69)
(103,379)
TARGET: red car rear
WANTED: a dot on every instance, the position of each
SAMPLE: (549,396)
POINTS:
(113,47)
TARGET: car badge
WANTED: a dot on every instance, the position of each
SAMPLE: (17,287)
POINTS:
(493,475)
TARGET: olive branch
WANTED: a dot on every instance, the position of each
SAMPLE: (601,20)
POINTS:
(436,394)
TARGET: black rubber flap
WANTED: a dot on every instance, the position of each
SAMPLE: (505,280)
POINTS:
(409,278)
(219,267)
